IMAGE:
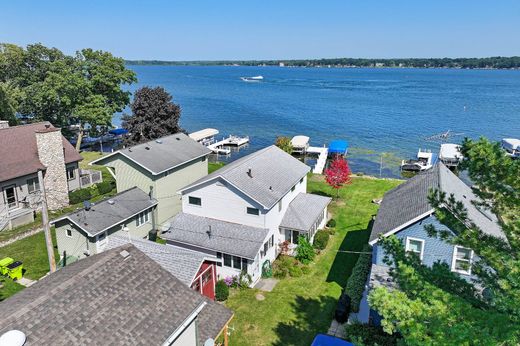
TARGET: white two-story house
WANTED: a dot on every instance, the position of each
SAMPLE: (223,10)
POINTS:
(242,212)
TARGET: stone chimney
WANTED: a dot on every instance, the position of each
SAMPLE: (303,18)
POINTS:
(4,124)
(50,151)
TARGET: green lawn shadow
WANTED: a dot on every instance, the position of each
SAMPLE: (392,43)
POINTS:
(344,262)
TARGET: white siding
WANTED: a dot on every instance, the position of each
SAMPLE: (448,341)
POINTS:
(188,336)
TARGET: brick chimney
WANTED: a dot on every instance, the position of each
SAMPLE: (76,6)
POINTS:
(50,151)
(4,124)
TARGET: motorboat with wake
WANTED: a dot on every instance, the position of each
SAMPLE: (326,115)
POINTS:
(252,79)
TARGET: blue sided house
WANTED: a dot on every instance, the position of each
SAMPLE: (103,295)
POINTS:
(405,211)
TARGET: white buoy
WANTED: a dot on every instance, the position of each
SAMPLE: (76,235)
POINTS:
(13,338)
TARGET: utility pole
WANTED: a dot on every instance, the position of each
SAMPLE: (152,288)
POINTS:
(46,228)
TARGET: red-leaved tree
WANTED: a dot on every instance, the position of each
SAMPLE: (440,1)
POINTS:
(338,174)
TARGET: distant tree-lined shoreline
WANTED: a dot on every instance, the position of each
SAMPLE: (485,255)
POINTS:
(465,63)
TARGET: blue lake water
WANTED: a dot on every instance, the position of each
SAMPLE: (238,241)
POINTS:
(377,110)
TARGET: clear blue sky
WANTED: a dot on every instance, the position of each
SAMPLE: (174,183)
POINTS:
(251,29)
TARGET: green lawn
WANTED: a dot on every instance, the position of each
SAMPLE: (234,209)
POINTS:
(213,166)
(32,252)
(9,287)
(299,308)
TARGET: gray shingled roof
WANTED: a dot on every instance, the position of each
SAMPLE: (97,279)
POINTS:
(273,174)
(227,237)
(107,299)
(106,214)
(409,201)
(181,263)
(303,211)
(163,154)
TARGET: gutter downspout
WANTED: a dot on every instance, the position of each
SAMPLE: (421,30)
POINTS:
(183,326)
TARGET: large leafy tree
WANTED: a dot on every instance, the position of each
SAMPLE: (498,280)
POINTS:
(435,306)
(154,115)
(44,84)
(284,143)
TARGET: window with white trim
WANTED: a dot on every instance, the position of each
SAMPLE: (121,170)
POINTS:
(142,218)
(462,258)
(416,246)
(195,201)
(253,211)
(71,173)
(234,262)
(33,185)
(68,233)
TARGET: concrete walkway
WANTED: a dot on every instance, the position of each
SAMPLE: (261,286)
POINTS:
(266,285)
(337,329)
(26,282)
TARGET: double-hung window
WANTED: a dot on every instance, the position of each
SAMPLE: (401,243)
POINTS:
(143,218)
(416,246)
(71,173)
(462,258)
(33,185)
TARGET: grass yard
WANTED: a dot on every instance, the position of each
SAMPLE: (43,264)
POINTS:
(33,253)
(9,287)
(299,308)
(213,166)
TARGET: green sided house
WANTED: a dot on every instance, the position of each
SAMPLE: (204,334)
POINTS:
(84,232)
(160,168)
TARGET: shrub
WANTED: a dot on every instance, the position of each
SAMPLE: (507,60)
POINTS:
(221,291)
(362,334)
(331,223)
(295,272)
(306,269)
(280,272)
(321,239)
(104,187)
(330,231)
(304,252)
(80,195)
(356,282)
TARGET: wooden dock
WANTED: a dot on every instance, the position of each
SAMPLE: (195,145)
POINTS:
(322,158)
(218,147)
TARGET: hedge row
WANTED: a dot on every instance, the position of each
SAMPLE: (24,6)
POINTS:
(80,195)
(356,283)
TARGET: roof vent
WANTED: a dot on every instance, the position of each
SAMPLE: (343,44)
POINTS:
(158,141)
(147,148)
(270,188)
(111,202)
(87,205)
(208,232)
(249,172)
(130,150)
(13,338)
(125,254)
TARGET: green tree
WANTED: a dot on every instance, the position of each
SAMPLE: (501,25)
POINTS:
(434,305)
(154,115)
(44,84)
(304,251)
(284,143)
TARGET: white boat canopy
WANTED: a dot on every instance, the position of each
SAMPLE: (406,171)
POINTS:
(202,134)
(300,141)
(450,151)
(511,143)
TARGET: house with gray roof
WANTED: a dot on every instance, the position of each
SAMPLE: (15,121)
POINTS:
(84,232)
(194,269)
(159,167)
(242,212)
(405,212)
(118,297)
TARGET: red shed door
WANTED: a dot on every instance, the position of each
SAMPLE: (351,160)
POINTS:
(205,280)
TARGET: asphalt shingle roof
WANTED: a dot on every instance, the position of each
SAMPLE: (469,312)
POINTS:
(19,153)
(162,154)
(303,211)
(273,174)
(227,237)
(181,263)
(108,299)
(111,212)
(410,200)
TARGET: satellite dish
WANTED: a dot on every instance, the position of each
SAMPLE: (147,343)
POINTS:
(209,342)
(87,205)
(13,338)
